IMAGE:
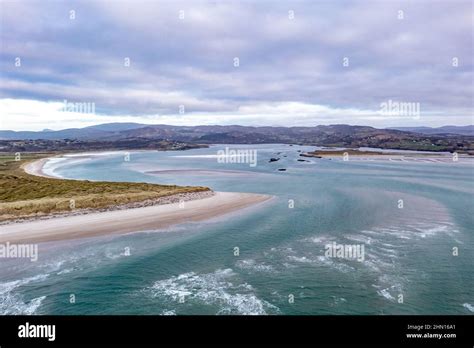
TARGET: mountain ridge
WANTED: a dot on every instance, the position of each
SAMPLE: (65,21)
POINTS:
(448,129)
(338,135)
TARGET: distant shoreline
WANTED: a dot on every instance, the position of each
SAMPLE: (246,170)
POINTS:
(143,136)
(382,155)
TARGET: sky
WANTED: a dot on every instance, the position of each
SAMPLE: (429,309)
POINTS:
(274,63)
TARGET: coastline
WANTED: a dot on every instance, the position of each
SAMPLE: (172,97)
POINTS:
(129,220)
(139,216)
(36,168)
(384,155)
(174,198)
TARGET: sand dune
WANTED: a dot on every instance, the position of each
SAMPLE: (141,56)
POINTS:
(130,220)
(123,221)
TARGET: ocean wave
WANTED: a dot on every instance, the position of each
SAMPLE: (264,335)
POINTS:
(410,231)
(112,256)
(468,306)
(322,261)
(390,292)
(319,239)
(338,301)
(12,303)
(52,164)
(65,271)
(359,239)
(214,288)
(252,265)
(301,259)
(196,156)
(385,293)
(168,312)
(62,264)
(381,259)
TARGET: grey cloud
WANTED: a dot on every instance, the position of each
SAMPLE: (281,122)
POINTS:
(190,61)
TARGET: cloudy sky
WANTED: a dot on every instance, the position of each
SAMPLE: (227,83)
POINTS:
(289,63)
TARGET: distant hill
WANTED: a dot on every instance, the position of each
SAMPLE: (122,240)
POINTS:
(462,130)
(71,133)
(339,135)
(116,127)
(92,132)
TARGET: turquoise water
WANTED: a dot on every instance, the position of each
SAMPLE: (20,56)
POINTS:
(281,267)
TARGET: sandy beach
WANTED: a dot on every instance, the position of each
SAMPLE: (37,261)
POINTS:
(124,221)
(131,220)
(36,168)
(417,157)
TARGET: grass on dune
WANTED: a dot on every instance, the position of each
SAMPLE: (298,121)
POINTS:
(25,195)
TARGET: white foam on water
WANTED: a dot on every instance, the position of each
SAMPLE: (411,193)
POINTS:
(214,288)
(252,265)
(53,266)
(288,265)
(112,256)
(377,264)
(402,231)
(340,266)
(413,231)
(383,247)
(302,259)
(98,154)
(428,230)
(359,238)
(381,259)
(12,303)
(319,239)
(386,251)
(33,305)
(385,293)
(372,265)
(390,286)
(51,164)
(384,262)
(65,271)
(322,261)
(468,306)
(200,156)
(63,264)
(168,312)
(54,163)
(338,300)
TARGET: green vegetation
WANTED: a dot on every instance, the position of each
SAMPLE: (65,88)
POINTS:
(24,195)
